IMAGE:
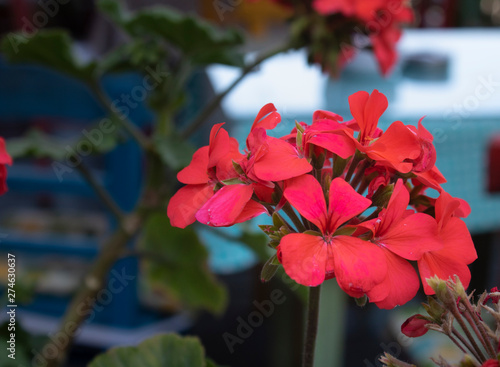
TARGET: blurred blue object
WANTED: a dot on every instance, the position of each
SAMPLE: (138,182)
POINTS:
(29,93)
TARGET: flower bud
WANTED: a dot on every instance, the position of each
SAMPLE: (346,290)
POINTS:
(415,326)
(467,361)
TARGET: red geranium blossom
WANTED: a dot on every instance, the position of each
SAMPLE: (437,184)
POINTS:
(403,235)
(458,249)
(307,258)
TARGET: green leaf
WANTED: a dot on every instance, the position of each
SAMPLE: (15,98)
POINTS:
(37,144)
(174,151)
(50,48)
(25,344)
(168,350)
(179,266)
(112,9)
(199,40)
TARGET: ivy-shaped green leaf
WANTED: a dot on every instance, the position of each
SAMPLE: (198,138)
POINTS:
(50,48)
(178,266)
(168,350)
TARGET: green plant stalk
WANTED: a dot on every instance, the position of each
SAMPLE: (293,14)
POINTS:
(478,327)
(454,310)
(93,283)
(291,214)
(311,327)
(207,111)
(103,194)
(128,228)
(127,125)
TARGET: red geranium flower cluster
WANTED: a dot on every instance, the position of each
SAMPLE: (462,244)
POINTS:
(348,200)
(327,29)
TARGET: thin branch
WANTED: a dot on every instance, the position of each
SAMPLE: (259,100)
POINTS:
(207,111)
(128,125)
(101,192)
(82,303)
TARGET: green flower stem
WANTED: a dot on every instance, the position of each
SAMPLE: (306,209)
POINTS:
(479,329)
(464,342)
(101,192)
(207,111)
(454,310)
(352,167)
(151,199)
(287,208)
(127,125)
(311,327)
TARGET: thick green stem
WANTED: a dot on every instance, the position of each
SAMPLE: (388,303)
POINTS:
(128,227)
(82,303)
(311,327)
(207,111)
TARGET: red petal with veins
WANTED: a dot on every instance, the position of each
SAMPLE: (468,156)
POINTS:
(225,206)
(281,162)
(304,258)
(366,110)
(219,144)
(400,285)
(183,206)
(359,265)
(267,118)
(304,193)
(344,203)
(396,145)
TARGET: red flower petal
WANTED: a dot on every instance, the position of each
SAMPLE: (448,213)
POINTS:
(305,195)
(267,118)
(435,263)
(251,210)
(304,258)
(400,285)
(219,144)
(196,172)
(366,110)
(281,162)
(359,265)
(415,326)
(412,236)
(345,203)
(491,363)
(183,206)
(225,206)
(396,145)
(322,114)
(5,158)
(339,144)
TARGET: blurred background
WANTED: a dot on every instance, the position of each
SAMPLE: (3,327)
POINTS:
(447,70)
